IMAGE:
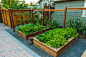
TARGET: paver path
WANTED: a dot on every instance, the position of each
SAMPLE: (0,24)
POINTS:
(8,47)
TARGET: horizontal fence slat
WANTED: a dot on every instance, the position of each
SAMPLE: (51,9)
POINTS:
(22,10)
(54,10)
(77,8)
(37,10)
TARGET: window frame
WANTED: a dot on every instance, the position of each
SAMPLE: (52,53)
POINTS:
(44,2)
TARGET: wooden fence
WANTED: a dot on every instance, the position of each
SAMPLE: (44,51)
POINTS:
(10,19)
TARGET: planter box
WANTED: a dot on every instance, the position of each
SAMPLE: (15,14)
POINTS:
(54,51)
(31,34)
(82,36)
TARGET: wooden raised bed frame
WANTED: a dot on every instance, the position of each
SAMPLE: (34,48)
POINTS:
(54,51)
(22,35)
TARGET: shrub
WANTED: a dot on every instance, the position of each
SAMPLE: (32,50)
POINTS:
(53,24)
(83,30)
(75,23)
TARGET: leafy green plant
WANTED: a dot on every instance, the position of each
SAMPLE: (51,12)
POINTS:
(53,24)
(83,30)
(57,37)
(36,19)
(75,23)
(30,28)
(13,4)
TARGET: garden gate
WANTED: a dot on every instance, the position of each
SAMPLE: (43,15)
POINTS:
(46,13)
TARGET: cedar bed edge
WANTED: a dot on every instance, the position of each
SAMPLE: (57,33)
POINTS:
(54,51)
(25,37)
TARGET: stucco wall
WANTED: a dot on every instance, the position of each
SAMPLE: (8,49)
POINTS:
(70,13)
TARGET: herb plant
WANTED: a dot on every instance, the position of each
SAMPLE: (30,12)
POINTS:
(57,37)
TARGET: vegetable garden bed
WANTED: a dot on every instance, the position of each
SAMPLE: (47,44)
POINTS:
(54,51)
(56,41)
(22,35)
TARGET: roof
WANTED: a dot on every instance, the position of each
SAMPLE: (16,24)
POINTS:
(39,1)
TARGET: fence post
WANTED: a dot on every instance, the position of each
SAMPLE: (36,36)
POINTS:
(32,17)
(49,14)
(6,16)
(43,17)
(12,20)
(64,16)
(22,17)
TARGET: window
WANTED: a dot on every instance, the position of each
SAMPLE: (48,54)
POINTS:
(84,11)
(44,3)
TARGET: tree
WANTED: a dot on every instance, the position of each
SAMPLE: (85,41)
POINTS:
(14,4)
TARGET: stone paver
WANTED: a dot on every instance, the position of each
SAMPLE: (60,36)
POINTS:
(84,54)
(8,47)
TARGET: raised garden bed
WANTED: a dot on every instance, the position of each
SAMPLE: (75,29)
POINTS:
(22,35)
(54,51)
(56,41)
(82,36)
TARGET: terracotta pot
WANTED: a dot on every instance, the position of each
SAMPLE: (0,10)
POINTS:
(30,42)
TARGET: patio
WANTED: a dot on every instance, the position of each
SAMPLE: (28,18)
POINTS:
(10,47)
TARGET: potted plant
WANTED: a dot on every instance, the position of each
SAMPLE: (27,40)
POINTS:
(30,40)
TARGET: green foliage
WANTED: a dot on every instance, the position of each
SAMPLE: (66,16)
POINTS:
(36,19)
(30,28)
(83,30)
(75,23)
(13,4)
(57,37)
(53,24)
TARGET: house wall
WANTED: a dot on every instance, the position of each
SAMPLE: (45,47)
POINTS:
(40,4)
(70,13)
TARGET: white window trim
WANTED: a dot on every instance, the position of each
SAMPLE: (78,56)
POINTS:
(44,2)
(84,11)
